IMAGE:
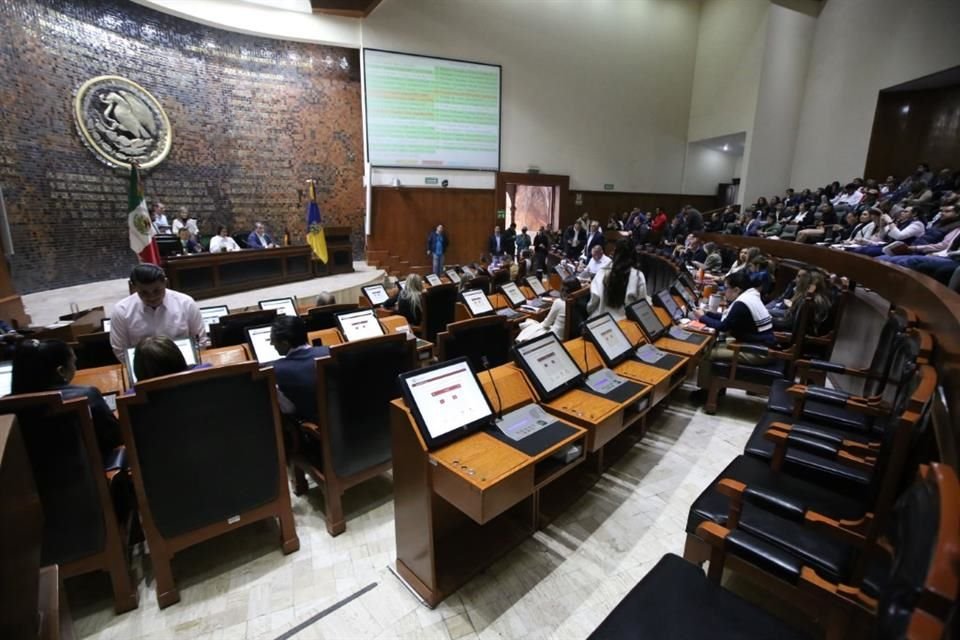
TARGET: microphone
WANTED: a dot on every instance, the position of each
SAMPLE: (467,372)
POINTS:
(486,364)
(583,340)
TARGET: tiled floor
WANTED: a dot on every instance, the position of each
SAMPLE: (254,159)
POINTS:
(558,584)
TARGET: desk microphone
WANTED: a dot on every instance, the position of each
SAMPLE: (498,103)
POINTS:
(486,364)
(583,339)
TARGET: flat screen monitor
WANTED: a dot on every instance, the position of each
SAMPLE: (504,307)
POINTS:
(563,271)
(641,311)
(259,340)
(167,245)
(513,293)
(357,325)
(284,306)
(433,279)
(212,315)
(402,284)
(536,285)
(453,275)
(667,302)
(6,378)
(477,302)
(105,324)
(686,294)
(376,294)
(612,343)
(447,401)
(187,347)
(548,365)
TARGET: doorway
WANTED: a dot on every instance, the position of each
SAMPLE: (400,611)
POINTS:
(533,206)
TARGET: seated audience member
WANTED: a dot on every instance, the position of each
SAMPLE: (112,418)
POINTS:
(183,220)
(222,242)
(659,221)
(187,244)
(556,319)
(745,320)
(825,218)
(946,220)
(618,285)
(713,262)
(259,239)
(742,261)
(906,229)
(409,301)
(157,356)
(937,260)
(325,298)
(760,275)
(296,372)
(153,310)
(780,306)
(848,199)
(598,260)
(49,365)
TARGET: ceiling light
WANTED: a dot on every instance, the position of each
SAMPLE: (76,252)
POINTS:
(726,147)
(905,109)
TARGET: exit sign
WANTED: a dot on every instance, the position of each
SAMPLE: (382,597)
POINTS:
(431,180)
(608,187)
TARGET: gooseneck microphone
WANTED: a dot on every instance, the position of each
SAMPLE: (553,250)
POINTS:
(486,364)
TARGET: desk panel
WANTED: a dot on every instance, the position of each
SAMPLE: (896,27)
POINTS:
(207,275)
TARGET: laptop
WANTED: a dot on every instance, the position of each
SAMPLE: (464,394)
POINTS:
(614,346)
(212,315)
(259,340)
(477,302)
(358,325)
(642,313)
(453,275)
(187,346)
(105,324)
(6,378)
(448,403)
(376,294)
(553,372)
(433,279)
(284,306)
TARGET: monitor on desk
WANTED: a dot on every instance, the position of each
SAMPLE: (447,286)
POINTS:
(477,302)
(686,294)
(563,271)
(6,378)
(402,284)
(453,275)
(167,245)
(263,349)
(546,363)
(447,401)
(376,294)
(187,346)
(686,279)
(357,325)
(212,315)
(667,302)
(513,294)
(536,285)
(433,279)
(105,324)
(611,341)
(641,312)
(284,306)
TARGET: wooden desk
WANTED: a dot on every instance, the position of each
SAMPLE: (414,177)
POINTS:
(459,508)
(694,352)
(205,275)
(77,324)
(109,379)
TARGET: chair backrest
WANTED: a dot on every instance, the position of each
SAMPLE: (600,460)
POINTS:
(68,471)
(221,356)
(325,337)
(438,309)
(500,277)
(354,388)
(241,240)
(94,350)
(576,313)
(476,338)
(231,329)
(392,324)
(883,354)
(325,316)
(204,445)
(478,282)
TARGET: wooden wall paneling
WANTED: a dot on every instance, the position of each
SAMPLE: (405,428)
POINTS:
(600,204)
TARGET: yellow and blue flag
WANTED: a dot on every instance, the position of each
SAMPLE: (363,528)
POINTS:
(315,236)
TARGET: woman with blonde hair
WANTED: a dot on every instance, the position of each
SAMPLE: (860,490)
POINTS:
(409,302)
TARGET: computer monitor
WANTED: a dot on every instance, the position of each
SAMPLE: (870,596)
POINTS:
(641,312)
(447,401)
(686,294)
(284,306)
(453,275)
(6,378)
(212,315)
(548,365)
(684,277)
(513,293)
(187,347)
(357,325)
(402,284)
(167,245)
(259,340)
(536,285)
(563,271)
(105,324)
(667,302)
(609,338)
(477,302)
(433,279)
(376,294)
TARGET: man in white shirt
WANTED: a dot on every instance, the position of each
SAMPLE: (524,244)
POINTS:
(598,260)
(152,310)
(847,200)
(222,242)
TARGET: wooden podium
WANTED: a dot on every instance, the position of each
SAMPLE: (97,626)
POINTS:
(459,508)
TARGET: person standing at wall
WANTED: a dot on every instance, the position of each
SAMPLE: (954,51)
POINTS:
(437,243)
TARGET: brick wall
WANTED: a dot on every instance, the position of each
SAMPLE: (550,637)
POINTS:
(252,118)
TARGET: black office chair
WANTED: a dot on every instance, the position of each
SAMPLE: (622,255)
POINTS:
(576,313)
(439,303)
(241,240)
(94,350)
(481,283)
(231,329)
(500,278)
(478,338)
(325,316)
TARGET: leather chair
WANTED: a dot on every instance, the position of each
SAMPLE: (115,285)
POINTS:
(206,453)
(241,240)
(576,313)
(82,531)
(325,337)
(820,346)
(477,282)
(487,337)
(231,329)
(351,441)
(94,350)
(325,316)
(108,379)
(500,277)
(438,310)
(916,589)
(221,356)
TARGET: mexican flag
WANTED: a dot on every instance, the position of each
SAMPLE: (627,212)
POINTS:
(139,222)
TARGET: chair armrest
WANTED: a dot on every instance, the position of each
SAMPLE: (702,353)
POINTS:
(827,396)
(845,596)
(738,347)
(832,367)
(783,435)
(812,431)
(783,336)
(312,429)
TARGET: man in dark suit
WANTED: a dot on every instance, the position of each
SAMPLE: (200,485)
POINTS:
(295,372)
(437,244)
(497,245)
(594,238)
(187,244)
(575,239)
(258,238)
